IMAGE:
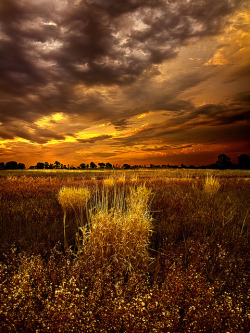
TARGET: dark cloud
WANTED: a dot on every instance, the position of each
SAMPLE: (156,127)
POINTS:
(39,135)
(166,148)
(48,47)
(121,124)
(243,71)
(100,60)
(208,123)
(95,139)
(100,154)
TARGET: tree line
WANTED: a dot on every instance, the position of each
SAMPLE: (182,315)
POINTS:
(223,162)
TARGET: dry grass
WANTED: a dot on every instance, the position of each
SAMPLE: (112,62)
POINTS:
(211,185)
(109,182)
(119,231)
(73,199)
(181,266)
(121,178)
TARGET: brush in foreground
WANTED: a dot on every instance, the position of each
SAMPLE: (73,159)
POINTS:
(73,199)
(120,235)
(211,185)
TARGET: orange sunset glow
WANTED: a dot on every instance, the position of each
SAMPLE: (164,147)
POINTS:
(124,81)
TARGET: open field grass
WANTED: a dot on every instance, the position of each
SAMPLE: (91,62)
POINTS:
(124,251)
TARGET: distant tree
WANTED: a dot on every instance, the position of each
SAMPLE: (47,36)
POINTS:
(126,166)
(101,165)
(224,162)
(46,165)
(108,166)
(12,165)
(93,165)
(82,166)
(40,165)
(244,161)
(21,166)
(183,166)
(2,166)
(57,165)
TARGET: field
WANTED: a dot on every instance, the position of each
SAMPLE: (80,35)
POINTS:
(124,251)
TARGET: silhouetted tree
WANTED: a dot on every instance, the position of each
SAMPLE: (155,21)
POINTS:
(2,166)
(21,166)
(93,165)
(101,165)
(224,162)
(109,165)
(57,164)
(82,166)
(126,166)
(244,161)
(12,165)
(46,165)
(40,165)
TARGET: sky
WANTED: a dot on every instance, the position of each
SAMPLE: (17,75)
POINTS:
(124,81)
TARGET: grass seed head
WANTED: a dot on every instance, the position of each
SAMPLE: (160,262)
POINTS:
(109,182)
(71,198)
(211,185)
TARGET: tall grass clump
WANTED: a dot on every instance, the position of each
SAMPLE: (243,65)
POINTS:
(121,179)
(73,199)
(211,185)
(119,233)
(109,182)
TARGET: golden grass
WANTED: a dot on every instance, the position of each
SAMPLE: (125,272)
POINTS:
(109,182)
(121,178)
(120,233)
(199,244)
(134,179)
(73,199)
(211,185)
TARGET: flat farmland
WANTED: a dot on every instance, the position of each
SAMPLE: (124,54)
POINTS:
(124,251)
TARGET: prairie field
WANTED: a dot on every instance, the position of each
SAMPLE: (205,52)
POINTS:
(124,251)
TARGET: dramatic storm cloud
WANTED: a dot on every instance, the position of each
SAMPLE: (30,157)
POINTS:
(140,80)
